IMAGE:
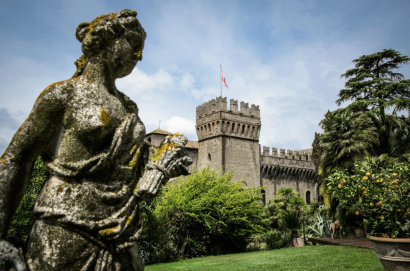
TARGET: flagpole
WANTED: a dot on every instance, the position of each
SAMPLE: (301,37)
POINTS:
(220,76)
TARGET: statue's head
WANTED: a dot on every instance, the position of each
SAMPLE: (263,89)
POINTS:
(116,38)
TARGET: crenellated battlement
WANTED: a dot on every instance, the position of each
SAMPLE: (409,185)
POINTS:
(220,105)
(214,119)
(303,155)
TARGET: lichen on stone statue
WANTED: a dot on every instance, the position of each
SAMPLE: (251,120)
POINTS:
(91,140)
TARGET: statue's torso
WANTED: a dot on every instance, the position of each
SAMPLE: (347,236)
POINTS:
(92,181)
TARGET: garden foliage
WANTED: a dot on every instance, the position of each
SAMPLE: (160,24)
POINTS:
(286,200)
(276,239)
(203,214)
(378,190)
(23,219)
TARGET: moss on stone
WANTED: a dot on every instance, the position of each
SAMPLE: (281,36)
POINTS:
(156,153)
(134,160)
(105,118)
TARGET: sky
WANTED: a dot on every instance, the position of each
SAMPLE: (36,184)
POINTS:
(285,56)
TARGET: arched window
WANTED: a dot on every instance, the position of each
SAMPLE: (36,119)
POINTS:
(308,197)
(149,140)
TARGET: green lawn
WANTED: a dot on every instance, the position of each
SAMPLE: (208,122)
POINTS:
(305,258)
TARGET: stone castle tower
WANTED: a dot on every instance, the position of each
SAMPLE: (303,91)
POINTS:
(229,139)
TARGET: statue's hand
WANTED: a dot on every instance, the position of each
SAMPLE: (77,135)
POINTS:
(179,166)
(11,257)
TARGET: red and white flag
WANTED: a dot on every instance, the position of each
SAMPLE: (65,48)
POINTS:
(223,78)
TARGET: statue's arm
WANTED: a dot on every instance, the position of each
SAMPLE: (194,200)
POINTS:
(27,143)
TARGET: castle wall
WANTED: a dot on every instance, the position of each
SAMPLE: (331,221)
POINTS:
(290,169)
(210,153)
(229,139)
(193,154)
(243,156)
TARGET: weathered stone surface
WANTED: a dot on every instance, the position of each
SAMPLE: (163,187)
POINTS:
(92,142)
(229,139)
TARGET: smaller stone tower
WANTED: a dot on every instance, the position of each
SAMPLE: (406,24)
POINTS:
(229,139)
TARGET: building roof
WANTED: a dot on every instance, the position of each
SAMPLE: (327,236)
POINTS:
(159,131)
(192,145)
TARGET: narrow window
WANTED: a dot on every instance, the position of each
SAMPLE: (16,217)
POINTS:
(263,197)
(308,197)
(149,140)
(209,156)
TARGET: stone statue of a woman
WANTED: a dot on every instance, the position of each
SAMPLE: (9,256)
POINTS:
(91,140)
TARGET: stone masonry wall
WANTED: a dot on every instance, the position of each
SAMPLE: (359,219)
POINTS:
(229,139)
(292,169)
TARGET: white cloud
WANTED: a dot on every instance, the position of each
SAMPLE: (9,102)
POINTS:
(285,56)
(181,125)
(187,81)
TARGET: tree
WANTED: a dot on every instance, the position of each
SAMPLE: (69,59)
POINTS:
(373,85)
(393,133)
(204,214)
(347,136)
(286,200)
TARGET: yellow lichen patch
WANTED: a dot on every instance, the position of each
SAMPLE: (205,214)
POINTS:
(2,161)
(110,231)
(133,149)
(129,219)
(60,189)
(82,60)
(157,152)
(39,99)
(176,134)
(105,118)
(138,54)
(90,81)
(52,254)
(98,20)
(64,182)
(134,159)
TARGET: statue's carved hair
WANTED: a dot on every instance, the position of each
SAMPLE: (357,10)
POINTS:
(96,37)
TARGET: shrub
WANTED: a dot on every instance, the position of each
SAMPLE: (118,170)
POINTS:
(293,222)
(276,239)
(286,200)
(23,219)
(379,191)
(204,214)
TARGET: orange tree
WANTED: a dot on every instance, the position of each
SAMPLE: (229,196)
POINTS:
(378,190)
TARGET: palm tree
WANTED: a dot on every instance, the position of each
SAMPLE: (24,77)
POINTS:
(347,136)
(394,134)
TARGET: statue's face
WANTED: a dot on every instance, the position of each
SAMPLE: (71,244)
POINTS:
(124,55)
